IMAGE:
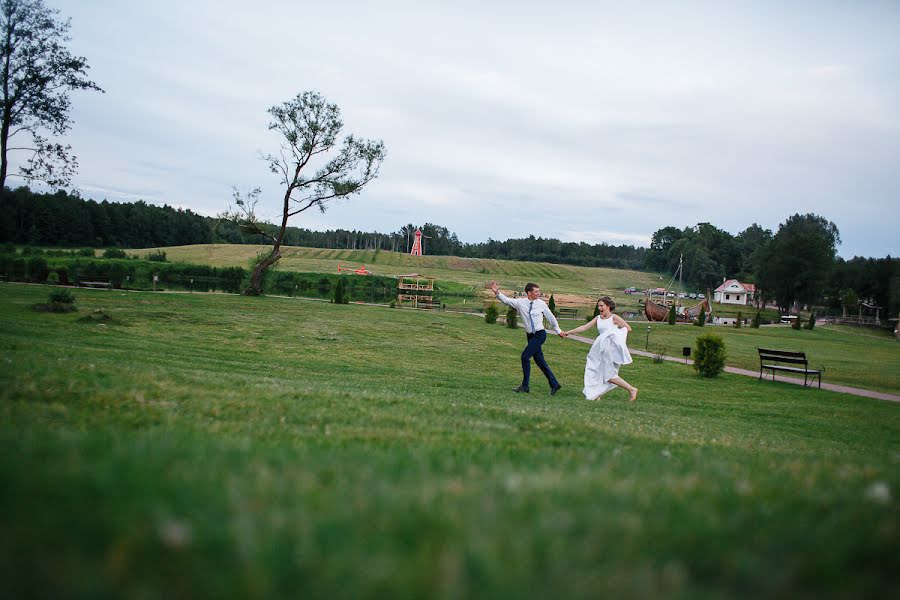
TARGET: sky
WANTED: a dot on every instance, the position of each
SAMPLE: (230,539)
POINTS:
(583,121)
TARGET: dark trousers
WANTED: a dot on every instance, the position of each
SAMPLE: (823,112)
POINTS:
(533,349)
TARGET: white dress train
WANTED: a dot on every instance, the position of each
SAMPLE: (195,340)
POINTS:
(607,354)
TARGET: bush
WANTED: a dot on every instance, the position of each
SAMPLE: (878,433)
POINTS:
(114,253)
(157,256)
(53,278)
(737,322)
(700,321)
(796,323)
(757,320)
(512,318)
(552,305)
(62,296)
(491,313)
(339,292)
(709,355)
(812,321)
(89,252)
(671,316)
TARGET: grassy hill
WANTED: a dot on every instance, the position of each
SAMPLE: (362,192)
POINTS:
(228,447)
(580,286)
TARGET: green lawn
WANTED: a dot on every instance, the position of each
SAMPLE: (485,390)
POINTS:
(220,446)
(869,361)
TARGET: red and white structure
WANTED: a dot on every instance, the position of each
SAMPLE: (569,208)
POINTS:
(417,245)
(733,291)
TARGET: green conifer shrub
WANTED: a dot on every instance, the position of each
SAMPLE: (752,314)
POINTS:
(512,318)
(491,313)
(709,355)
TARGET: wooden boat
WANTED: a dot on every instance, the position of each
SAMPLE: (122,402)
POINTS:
(658,312)
(654,311)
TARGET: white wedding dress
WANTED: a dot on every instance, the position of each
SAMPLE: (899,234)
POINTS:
(607,354)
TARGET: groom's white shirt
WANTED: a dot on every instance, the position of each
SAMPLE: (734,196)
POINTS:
(539,310)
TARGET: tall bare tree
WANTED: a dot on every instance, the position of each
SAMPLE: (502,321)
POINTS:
(310,126)
(37,72)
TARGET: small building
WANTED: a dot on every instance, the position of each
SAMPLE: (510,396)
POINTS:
(733,291)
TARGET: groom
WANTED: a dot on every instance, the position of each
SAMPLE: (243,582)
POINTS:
(532,311)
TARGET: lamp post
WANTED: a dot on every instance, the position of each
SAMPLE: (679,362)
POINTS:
(648,339)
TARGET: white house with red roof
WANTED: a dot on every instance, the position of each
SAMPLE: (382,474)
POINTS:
(733,291)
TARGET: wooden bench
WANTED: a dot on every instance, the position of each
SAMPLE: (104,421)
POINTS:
(773,360)
(103,282)
(567,312)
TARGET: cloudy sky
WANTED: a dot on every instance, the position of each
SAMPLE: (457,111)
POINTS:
(585,121)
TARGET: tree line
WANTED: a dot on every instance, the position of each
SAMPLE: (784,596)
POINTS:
(796,263)
(63,219)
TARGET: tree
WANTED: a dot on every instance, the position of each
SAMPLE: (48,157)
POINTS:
(37,72)
(552,305)
(310,126)
(701,318)
(757,320)
(512,318)
(670,317)
(796,264)
(339,291)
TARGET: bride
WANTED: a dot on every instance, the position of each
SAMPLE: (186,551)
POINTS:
(607,354)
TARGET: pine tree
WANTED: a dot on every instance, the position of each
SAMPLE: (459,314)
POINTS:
(701,318)
(552,305)
(812,321)
(757,320)
(512,318)
(339,291)
(671,316)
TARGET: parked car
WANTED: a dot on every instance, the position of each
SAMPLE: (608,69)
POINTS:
(700,296)
(631,290)
(692,295)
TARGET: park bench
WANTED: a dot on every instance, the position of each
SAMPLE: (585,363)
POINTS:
(567,312)
(91,281)
(782,360)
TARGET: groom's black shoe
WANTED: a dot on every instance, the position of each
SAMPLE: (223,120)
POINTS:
(555,389)
(521,389)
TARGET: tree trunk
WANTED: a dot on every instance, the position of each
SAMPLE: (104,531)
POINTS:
(259,271)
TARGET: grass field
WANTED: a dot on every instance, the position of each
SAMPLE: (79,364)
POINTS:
(849,357)
(587,283)
(220,446)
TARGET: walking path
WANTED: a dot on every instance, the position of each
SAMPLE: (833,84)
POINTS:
(843,389)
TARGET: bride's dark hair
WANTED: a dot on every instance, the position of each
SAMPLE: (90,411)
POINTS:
(609,302)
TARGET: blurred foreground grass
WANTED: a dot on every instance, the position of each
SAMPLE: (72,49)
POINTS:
(218,446)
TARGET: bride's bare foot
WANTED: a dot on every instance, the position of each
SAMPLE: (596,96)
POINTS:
(634,392)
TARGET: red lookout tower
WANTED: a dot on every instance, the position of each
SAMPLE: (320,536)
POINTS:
(417,245)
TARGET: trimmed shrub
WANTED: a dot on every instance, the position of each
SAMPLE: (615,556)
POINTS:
(62,296)
(796,323)
(671,316)
(491,313)
(512,318)
(89,252)
(157,256)
(812,321)
(738,321)
(53,278)
(114,253)
(552,305)
(700,321)
(709,355)
(757,320)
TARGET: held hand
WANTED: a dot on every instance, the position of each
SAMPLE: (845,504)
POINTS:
(563,334)
(495,288)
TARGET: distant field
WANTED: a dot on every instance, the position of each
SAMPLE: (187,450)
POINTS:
(218,446)
(585,284)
